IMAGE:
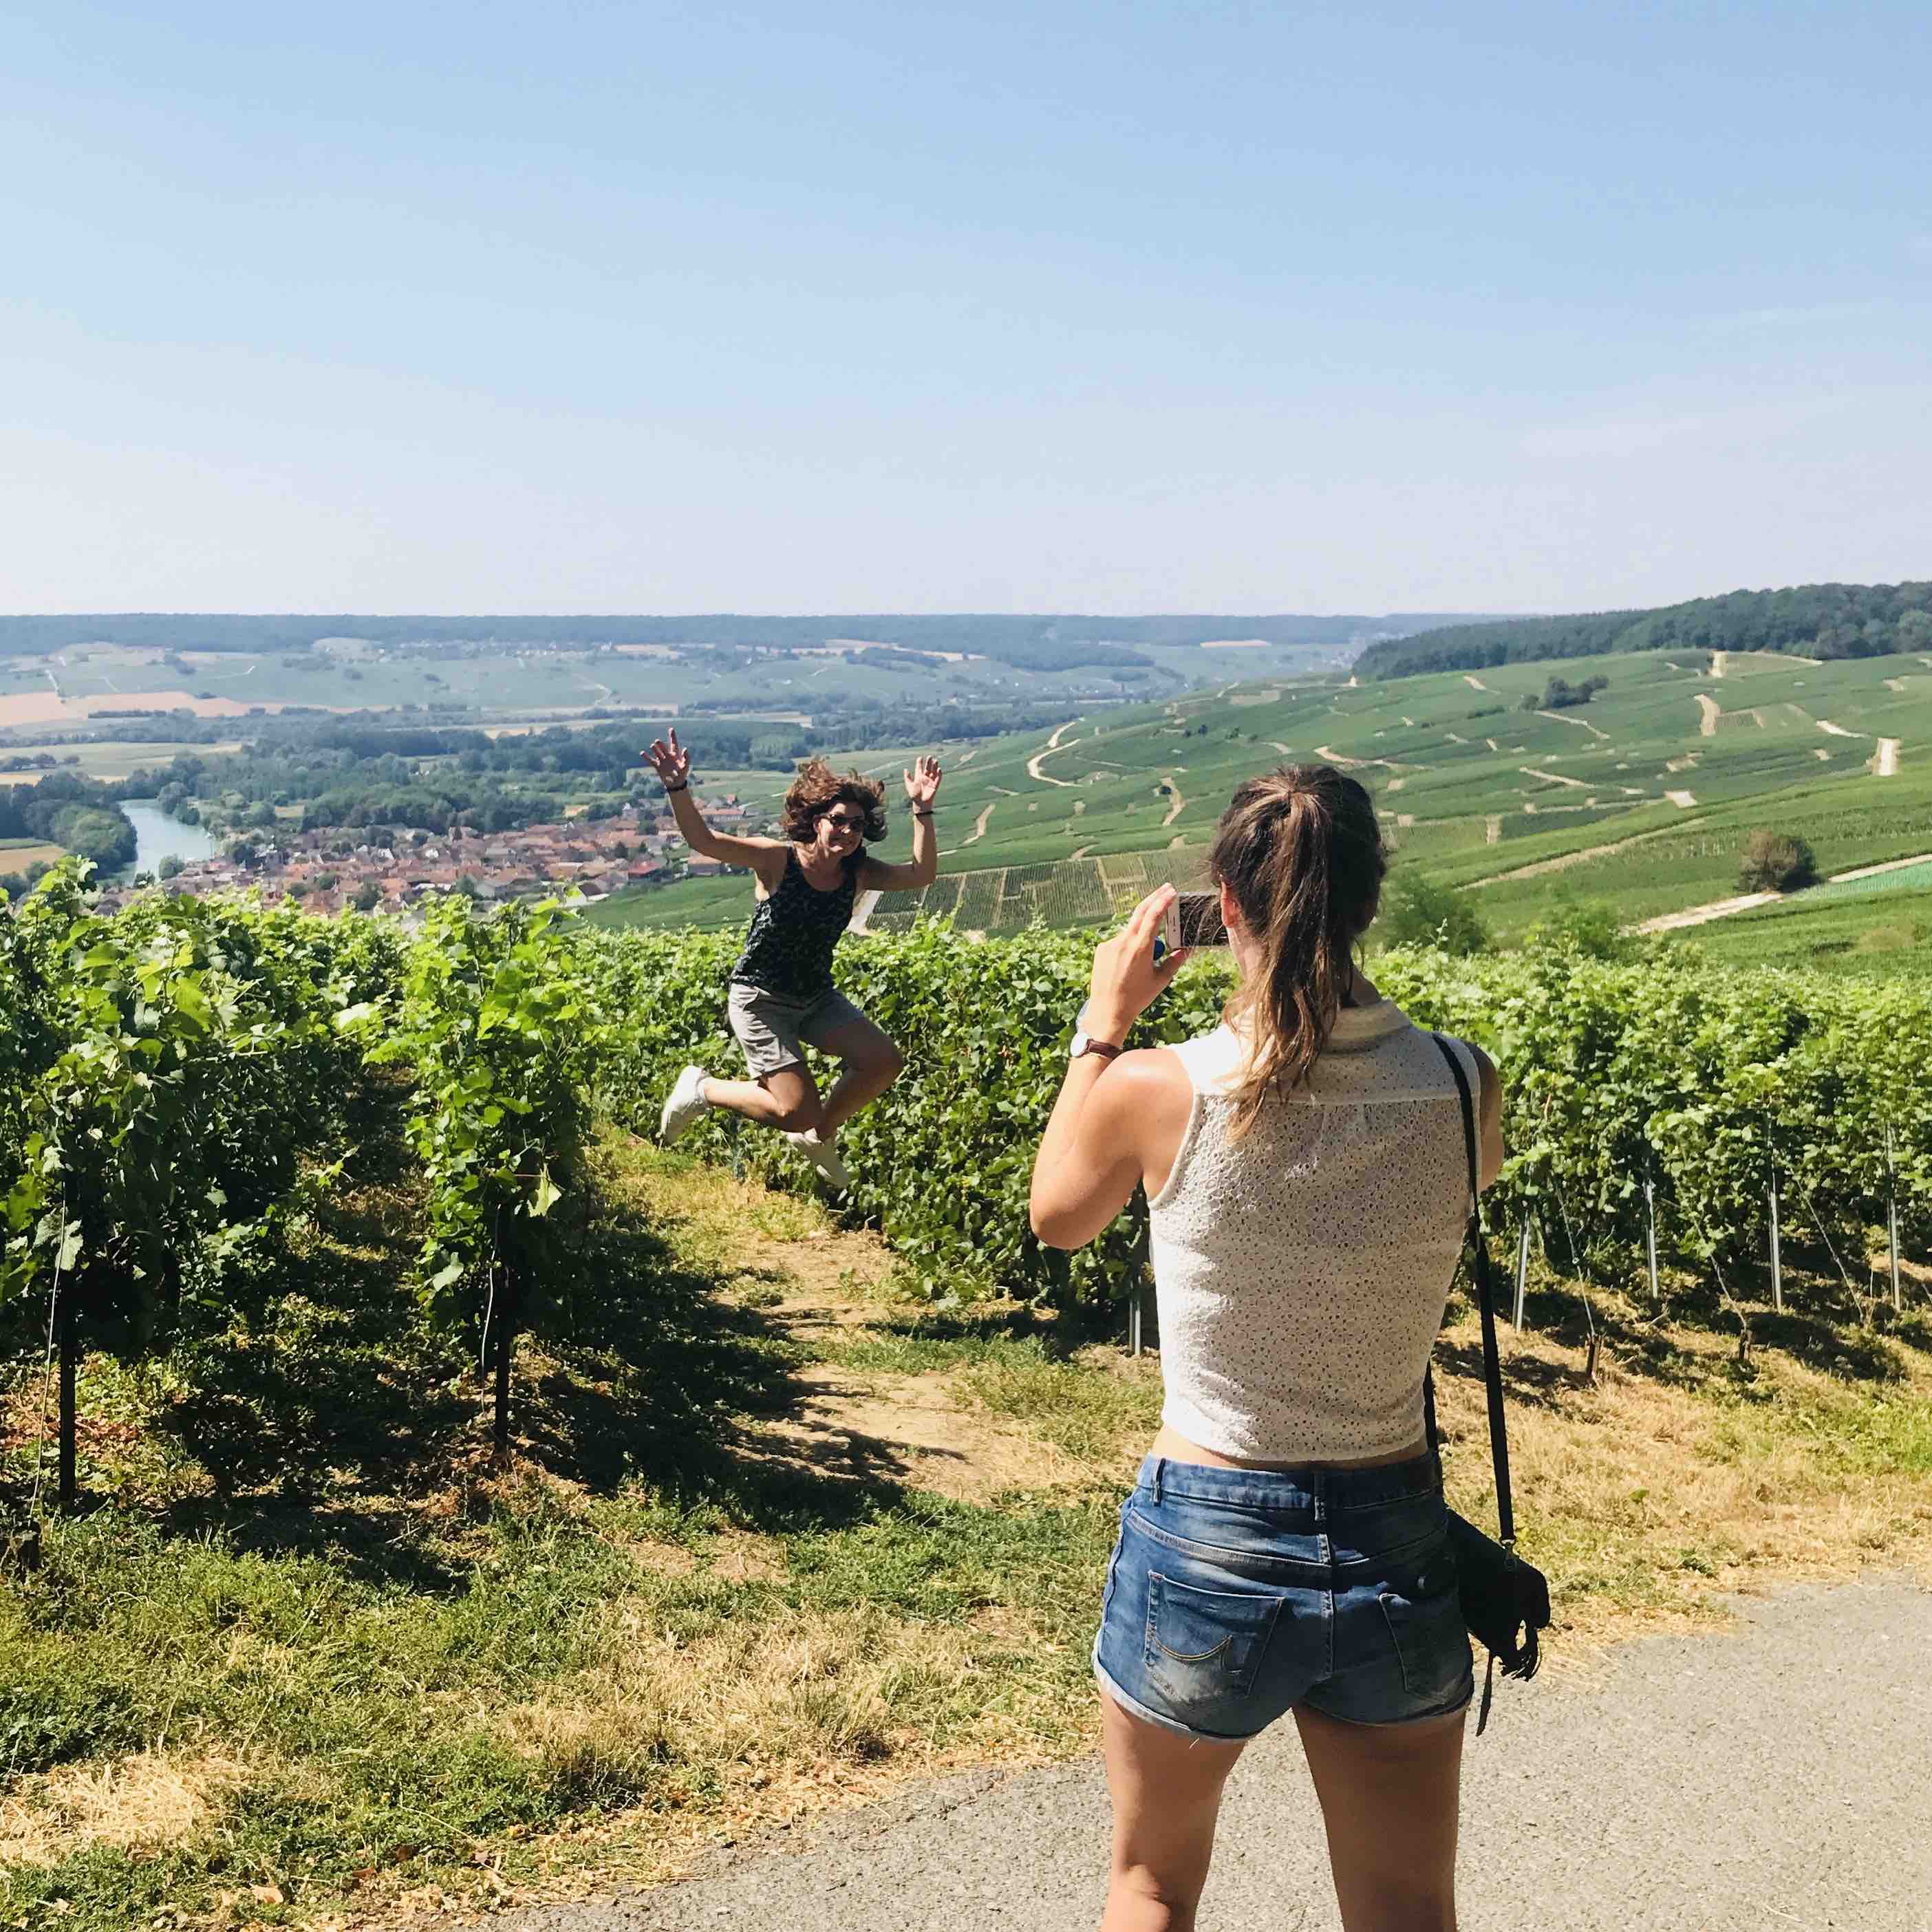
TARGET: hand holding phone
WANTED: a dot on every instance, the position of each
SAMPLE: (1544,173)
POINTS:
(1128,976)
(1191,919)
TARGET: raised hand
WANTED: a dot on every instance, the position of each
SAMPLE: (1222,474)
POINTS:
(921,782)
(671,762)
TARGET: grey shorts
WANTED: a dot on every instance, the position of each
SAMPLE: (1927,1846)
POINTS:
(774,1031)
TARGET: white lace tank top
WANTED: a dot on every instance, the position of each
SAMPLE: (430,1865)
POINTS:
(1301,1271)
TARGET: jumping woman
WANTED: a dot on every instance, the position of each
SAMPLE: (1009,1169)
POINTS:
(1286,1549)
(782,997)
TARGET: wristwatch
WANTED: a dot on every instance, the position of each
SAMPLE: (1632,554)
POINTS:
(1084,1043)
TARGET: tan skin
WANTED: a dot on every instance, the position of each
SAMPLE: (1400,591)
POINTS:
(1390,1793)
(869,1062)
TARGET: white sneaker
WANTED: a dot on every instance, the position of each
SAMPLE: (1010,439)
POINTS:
(823,1155)
(686,1102)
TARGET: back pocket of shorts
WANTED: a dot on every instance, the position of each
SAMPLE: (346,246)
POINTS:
(1206,1644)
(1424,1615)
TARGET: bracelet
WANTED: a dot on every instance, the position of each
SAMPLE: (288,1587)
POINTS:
(921,814)
(685,786)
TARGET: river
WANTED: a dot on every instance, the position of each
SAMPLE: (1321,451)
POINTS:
(157,837)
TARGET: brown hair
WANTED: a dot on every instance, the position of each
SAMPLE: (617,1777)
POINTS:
(818,788)
(1301,852)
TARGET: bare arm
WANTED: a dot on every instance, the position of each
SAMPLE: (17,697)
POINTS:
(1097,1147)
(1488,1121)
(922,785)
(672,764)
(1115,1122)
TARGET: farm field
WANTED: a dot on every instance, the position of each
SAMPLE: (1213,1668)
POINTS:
(1883,934)
(64,688)
(17,854)
(115,759)
(1644,796)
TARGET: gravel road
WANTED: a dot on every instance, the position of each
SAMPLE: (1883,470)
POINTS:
(1776,1774)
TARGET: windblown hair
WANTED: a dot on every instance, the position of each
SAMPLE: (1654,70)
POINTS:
(818,788)
(1301,852)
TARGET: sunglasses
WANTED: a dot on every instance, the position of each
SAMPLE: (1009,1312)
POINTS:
(843,818)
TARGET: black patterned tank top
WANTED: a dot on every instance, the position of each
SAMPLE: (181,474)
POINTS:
(788,949)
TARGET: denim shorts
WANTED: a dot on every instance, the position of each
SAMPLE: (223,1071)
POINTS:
(1235,1594)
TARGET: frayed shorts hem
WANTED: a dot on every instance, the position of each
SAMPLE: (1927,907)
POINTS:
(1135,1708)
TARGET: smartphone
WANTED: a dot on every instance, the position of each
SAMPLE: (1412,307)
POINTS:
(1191,919)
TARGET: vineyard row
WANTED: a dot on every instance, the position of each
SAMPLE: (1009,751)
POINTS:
(181,1079)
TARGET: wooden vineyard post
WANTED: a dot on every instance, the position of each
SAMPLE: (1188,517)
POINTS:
(506,1342)
(1137,1296)
(1891,1219)
(1650,1235)
(69,1336)
(1522,1273)
(1777,1260)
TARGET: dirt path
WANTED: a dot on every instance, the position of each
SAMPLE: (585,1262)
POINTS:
(1286,750)
(1563,861)
(1474,683)
(1675,922)
(1554,777)
(1884,761)
(1335,758)
(1701,915)
(1564,717)
(978,831)
(1707,715)
(1052,745)
(1720,660)
(1889,865)
(1492,829)
(1825,725)
(1684,800)
(1176,803)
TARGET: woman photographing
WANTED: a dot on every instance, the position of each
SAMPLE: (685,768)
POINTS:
(782,997)
(1286,1549)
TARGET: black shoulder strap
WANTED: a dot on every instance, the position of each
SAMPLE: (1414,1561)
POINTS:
(1485,1301)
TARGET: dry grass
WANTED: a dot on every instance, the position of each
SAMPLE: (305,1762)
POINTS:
(1649,1498)
(143,1801)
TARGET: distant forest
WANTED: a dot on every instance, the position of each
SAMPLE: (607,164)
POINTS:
(1814,620)
(1045,642)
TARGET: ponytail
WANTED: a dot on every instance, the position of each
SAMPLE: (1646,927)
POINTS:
(1302,854)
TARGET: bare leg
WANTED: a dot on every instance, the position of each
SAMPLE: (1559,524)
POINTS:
(1167,1796)
(868,1063)
(1390,1796)
(787,1099)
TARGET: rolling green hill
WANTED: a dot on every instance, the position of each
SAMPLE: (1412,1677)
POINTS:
(1643,796)
(1826,621)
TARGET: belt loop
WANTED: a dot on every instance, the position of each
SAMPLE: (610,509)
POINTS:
(1321,1486)
(1160,1463)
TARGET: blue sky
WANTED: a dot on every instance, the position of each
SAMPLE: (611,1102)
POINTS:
(1115,308)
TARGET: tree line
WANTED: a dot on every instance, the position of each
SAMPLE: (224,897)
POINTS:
(1816,620)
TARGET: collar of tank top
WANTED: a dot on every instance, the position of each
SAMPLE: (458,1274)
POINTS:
(1356,1027)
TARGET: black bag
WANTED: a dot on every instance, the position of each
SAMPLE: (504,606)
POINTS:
(1505,1601)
